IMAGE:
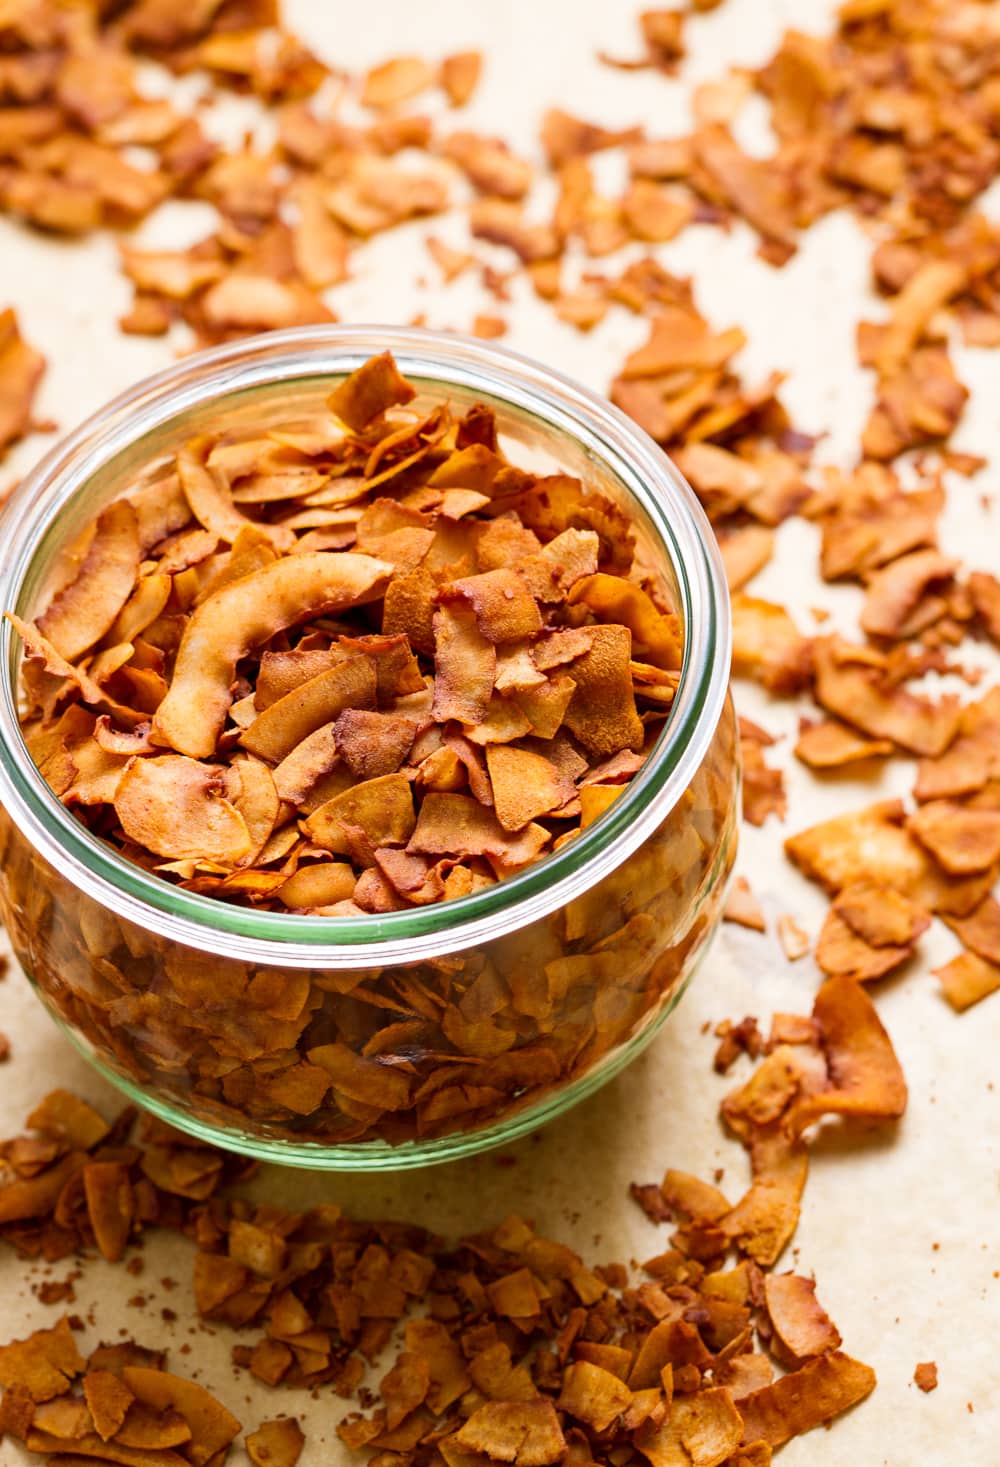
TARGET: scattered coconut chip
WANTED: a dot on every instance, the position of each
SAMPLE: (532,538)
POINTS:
(21,371)
(961,839)
(276,1443)
(925,1376)
(967,980)
(742,906)
(831,745)
(794,940)
(806,1398)
(800,1323)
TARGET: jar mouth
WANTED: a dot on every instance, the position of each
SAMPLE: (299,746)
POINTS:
(497,375)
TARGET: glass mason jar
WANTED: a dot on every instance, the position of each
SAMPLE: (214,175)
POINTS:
(463,1024)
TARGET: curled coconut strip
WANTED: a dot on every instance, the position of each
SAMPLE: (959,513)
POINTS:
(239,617)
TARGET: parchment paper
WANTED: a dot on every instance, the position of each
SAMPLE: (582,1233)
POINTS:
(899,1227)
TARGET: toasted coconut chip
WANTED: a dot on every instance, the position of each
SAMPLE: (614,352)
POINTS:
(152,1431)
(559,565)
(281,672)
(555,649)
(830,745)
(657,637)
(525,785)
(455,825)
(380,810)
(301,770)
(694,1198)
(474,764)
(21,370)
(108,1399)
(765,1218)
(238,618)
(680,339)
(413,877)
(920,403)
(594,800)
(865,1076)
(394,533)
(873,845)
(370,391)
(925,1376)
(880,915)
(404,1388)
(565,136)
(276,1443)
(722,480)
(895,591)
(743,908)
(840,950)
(800,1323)
(212,1426)
(526,1433)
(397,670)
(746,549)
(320,245)
(750,186)
(967,980)
(397,80)
(960,839)
(44,1365)
(177,807)
(703,1429)
(980,929)
(504,608)
(381,1086)
(763,787)
(794,940)
(372,744)
(65,1114)
(85,610)
(502,222)
(517,671)
(489,164)
(30,1197)
(211,500)
(142,608)
(284,724)
(823,1388)
(96,773)
(110,1205)
(973,757)
(601,712)
(459,75)
(768,646)
(931,287)
(985,592)
(593,1395)
(872,526)
(465,665)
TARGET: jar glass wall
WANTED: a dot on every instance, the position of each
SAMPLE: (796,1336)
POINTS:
(447,1028)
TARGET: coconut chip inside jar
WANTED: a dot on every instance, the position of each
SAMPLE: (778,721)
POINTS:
(350,665)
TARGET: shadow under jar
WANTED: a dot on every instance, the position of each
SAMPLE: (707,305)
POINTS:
(526,995)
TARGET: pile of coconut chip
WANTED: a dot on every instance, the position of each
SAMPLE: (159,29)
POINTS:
(461,695)
(508,1347)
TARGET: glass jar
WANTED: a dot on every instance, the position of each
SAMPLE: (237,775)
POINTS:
(460,1025)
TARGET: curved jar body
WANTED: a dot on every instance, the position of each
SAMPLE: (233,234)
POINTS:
(417,1036)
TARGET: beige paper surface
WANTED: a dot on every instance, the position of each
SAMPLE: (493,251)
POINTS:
(900,1228)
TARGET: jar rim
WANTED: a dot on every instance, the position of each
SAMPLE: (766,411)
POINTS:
(496,374)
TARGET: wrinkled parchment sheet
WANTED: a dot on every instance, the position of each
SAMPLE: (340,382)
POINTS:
(902,1228)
